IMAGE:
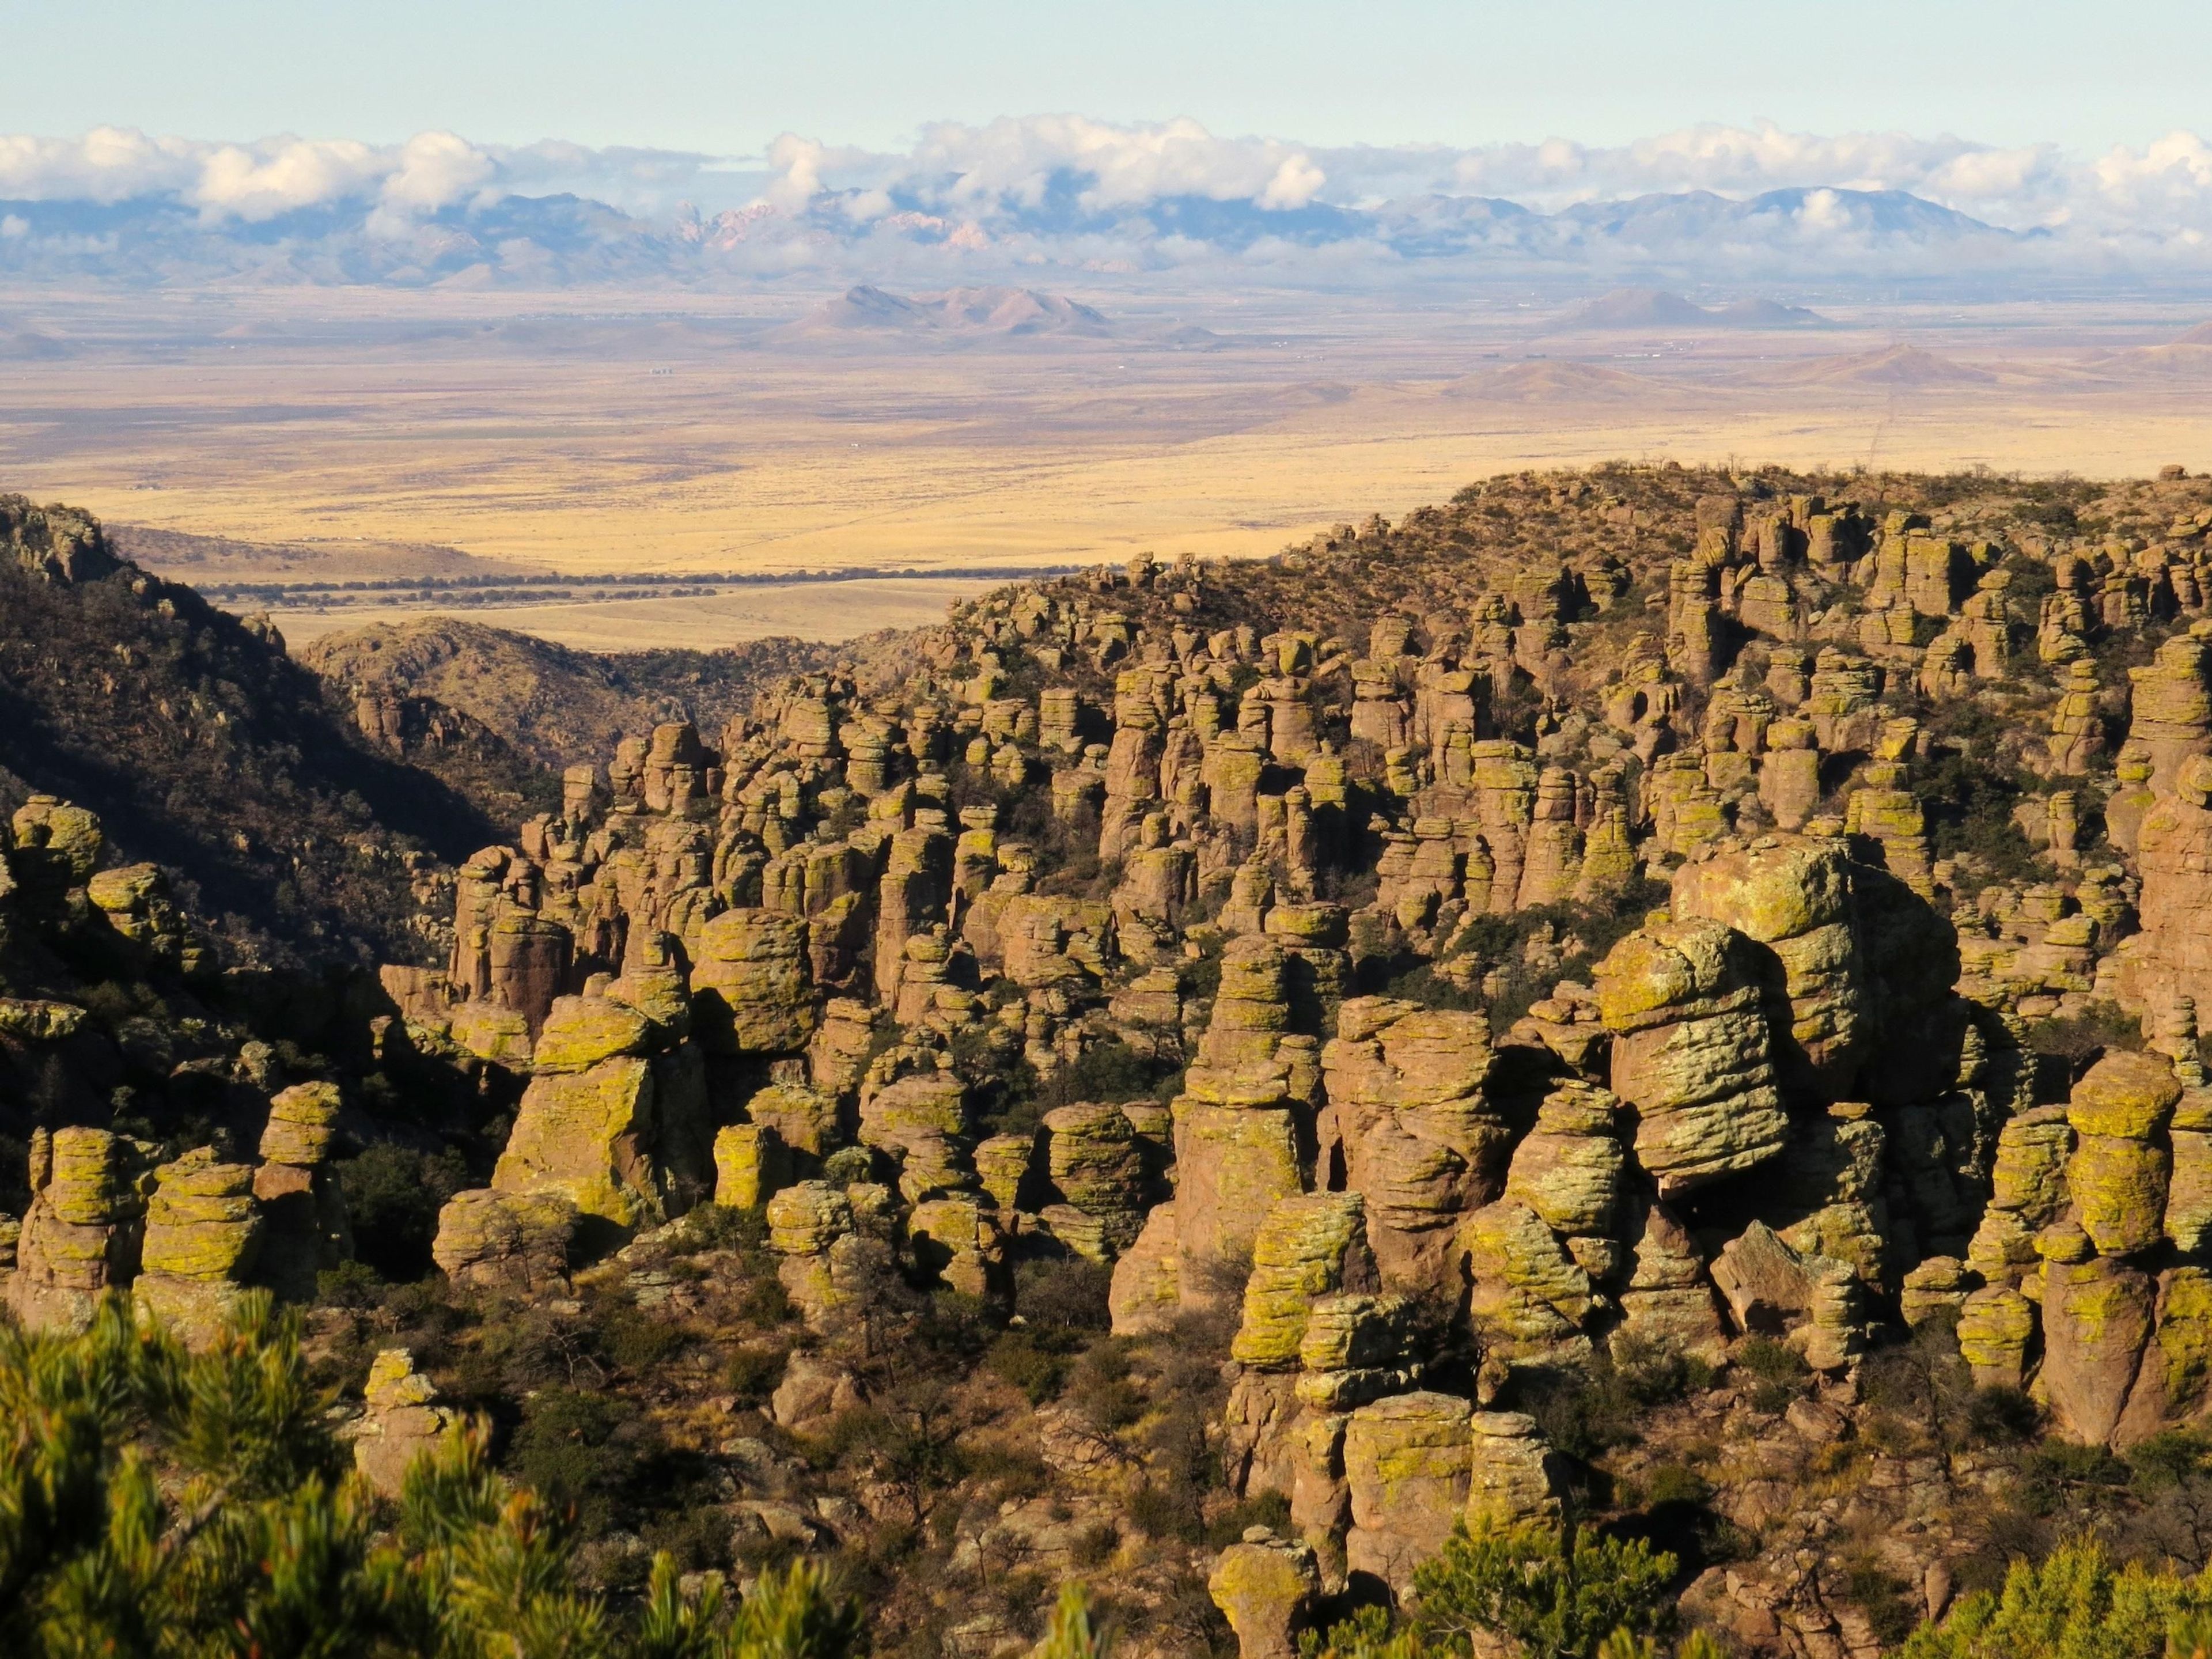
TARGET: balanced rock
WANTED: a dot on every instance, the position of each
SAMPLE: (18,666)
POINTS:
(2117,1176)
(201,1233)
(403,1422)
(304,1225)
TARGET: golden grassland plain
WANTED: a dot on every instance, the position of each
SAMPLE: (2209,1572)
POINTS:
(586,435)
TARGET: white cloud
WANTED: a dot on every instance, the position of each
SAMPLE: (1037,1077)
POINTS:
(1070,189)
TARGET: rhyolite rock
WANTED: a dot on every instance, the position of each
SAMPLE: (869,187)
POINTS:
(305,1228)
(1422,1142)
(519,1243)
(1406,1462)
(1265,1587)
(1691,1052)
(203,1231)
(81,1235)
(403,1422)
(1310,1246)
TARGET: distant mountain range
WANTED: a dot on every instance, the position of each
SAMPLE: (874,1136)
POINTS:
(1691,237)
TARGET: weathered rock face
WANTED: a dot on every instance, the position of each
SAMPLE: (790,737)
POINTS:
(1406,1462)
(2173,956)
(1420,1140)
(752,985)
(1691,1052)
(2097,1317)
(304,1225)
(82,1232)
(402,1423)
(520,1244)
(1796,898)
(1310,1246)
(1670,1303)
(203,1231)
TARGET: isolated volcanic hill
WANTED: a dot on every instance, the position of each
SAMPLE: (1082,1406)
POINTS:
(208,750)
(960,313)
(1897,365)
(1651,307)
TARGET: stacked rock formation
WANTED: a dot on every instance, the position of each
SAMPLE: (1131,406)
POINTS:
(1770,1070)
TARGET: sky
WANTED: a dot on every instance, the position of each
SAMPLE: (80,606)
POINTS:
(727,78)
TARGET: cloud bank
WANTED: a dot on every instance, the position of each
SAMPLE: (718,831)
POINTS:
(1064,191)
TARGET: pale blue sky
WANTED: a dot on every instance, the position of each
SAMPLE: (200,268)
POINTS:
(727,77)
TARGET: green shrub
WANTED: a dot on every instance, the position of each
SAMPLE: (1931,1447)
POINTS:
(1881,1596)
(2076,1604)
(752,1372)
(1022,1361)
(1555,1593)
(394,1194)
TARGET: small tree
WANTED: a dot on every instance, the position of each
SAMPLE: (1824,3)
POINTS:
(1556,1593)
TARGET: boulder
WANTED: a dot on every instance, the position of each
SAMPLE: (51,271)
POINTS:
(1569,1169)
(1146,1292)
(2117,1176)
(1513,1477)
(517,1243)
(1265,1587)
(1668,1304)
(751,1162)
(588,1136)
(751,984)
(1096,1164)
(804,1119)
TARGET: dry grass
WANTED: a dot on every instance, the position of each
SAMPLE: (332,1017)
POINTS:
(627,454)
